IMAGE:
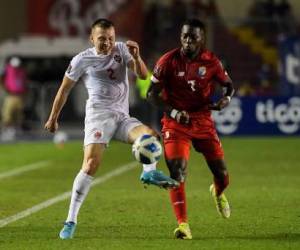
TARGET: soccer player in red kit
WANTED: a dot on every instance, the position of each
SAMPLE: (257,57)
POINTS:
(183,83)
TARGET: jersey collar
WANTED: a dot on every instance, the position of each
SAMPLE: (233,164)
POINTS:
(202,55)
(101,55)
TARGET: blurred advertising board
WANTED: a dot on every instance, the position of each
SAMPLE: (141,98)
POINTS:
(289,50)
(260,116)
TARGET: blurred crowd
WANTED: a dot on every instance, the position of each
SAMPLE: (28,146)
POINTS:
(270,18)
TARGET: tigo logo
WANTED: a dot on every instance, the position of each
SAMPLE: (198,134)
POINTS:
(286,115)
(227,120)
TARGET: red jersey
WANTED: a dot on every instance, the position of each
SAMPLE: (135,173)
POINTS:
(189,84)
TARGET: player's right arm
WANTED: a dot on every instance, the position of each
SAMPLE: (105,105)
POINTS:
(59,101)
(154,96)
(155,92)
(72,75)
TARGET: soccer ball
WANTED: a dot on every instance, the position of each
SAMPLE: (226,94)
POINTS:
(146,149)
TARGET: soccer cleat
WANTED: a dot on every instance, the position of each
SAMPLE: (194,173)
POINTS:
(158,178)
(68,230)
(221,201)
(183,232)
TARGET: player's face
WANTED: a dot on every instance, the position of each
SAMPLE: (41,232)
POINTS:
(103,39)
(192,40)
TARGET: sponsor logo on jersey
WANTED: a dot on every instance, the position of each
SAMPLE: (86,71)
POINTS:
(285,115)
(117,58)
(181,73)
(202,71)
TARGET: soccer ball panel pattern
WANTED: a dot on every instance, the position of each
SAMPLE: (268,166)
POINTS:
(147,149)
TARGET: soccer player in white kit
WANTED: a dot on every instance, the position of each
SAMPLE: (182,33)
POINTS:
(103,69)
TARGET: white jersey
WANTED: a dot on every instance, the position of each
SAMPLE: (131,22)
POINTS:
(105,77)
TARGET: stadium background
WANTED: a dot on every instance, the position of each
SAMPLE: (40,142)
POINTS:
(258,44)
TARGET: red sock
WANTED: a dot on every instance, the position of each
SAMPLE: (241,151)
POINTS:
(221,184)
(178,202)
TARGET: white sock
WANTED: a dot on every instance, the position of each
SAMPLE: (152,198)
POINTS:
(81,187)
(149,167)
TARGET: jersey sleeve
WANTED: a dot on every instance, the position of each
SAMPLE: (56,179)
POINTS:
(75,69)
(160,71)
(125,53)
(221,74)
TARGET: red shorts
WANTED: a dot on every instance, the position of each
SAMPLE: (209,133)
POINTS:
(201,134)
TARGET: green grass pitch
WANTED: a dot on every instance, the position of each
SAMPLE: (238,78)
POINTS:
(121,214)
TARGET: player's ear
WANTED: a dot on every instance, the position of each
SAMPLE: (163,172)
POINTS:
(91,38)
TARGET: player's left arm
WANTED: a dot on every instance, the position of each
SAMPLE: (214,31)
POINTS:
(137,64)
(228,92)
(222,77)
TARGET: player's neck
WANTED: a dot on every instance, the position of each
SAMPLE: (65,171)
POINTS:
(192,56)
(102,53)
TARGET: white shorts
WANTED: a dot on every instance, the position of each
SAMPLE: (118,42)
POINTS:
(103,125)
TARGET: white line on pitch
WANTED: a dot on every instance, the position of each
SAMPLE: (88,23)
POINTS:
(66,195)
(24,168)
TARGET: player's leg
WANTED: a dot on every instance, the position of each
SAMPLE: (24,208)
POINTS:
(221,181)
(81,186)
(220,173)
(177,150)
(214,155)
(100,126)
(129,130)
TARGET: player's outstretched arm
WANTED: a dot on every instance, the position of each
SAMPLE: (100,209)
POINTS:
(59,101)
(137,65)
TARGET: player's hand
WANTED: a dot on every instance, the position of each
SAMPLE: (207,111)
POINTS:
(222,103)
(133,48)
(51,125)
(182,117)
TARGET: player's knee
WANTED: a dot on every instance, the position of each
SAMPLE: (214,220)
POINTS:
(141,130)
(153,133)
(178,169)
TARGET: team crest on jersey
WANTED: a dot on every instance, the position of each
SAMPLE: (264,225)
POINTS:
(202,71)
(117,58)
(97,134)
